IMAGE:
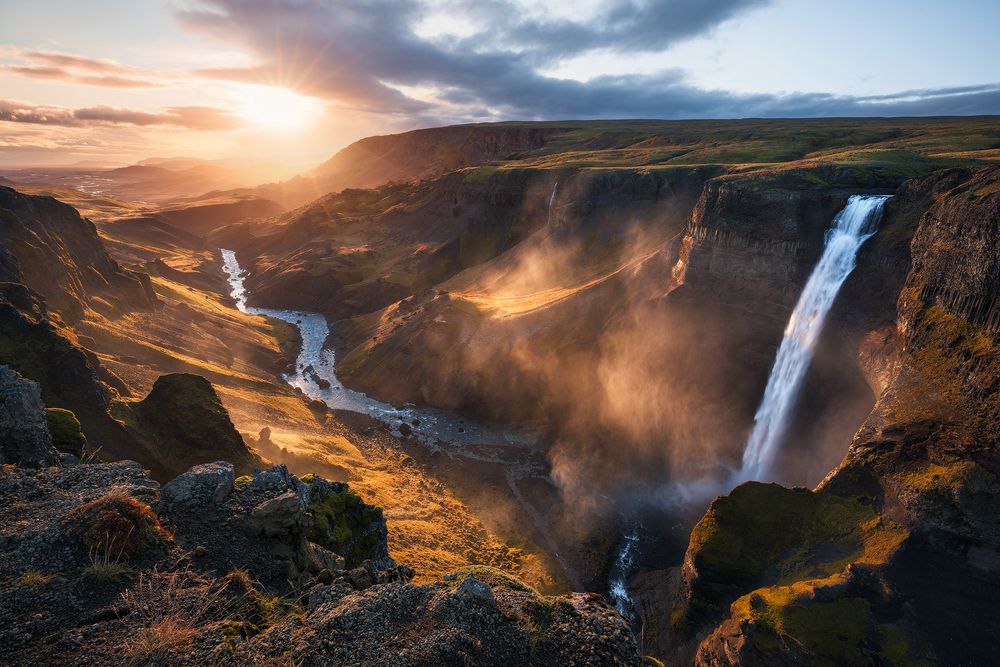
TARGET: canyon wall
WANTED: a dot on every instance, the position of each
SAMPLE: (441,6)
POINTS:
(839,575)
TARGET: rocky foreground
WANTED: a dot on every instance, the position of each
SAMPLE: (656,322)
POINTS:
(100,565)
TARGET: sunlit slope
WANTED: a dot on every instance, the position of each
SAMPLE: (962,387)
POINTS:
(199,330)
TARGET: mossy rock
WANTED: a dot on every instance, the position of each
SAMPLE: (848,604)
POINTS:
(784,620)
(65,430)
(346,525)
(763,534)
(183,423)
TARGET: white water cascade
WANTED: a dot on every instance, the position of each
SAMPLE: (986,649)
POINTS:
(552,200)
(851,228)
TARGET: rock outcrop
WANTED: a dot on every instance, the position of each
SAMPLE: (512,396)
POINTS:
(182,421)
(228,573)
(24,431)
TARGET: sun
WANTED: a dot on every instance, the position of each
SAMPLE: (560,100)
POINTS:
(275,109)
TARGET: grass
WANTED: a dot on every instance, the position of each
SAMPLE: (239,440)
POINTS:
(36,580)
(157,641)
(172,608)
(103,571)
(116,525)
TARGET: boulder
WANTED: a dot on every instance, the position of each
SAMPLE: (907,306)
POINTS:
(476,590)
(24,431)
(202,484)
(283,515)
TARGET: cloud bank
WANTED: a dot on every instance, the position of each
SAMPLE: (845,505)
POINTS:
(190,117)
(370,55)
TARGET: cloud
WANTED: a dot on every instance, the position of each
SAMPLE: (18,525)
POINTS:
(368,55)
(190,117)
(72,68)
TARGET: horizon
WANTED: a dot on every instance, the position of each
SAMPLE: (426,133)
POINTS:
(212,79)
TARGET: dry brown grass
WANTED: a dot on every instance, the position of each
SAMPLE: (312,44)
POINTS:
(36,580)
(116,525)
(159,640)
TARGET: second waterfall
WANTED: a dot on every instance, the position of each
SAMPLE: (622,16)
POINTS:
(851,228)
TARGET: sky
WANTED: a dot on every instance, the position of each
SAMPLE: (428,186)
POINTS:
(289,82)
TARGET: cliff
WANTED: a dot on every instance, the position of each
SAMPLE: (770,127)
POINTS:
(839,575)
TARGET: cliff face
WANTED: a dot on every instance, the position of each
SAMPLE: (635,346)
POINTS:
(872,565)
(47,246)
(712,263)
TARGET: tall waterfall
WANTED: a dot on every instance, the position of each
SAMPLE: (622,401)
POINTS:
(552,200)
(851,228)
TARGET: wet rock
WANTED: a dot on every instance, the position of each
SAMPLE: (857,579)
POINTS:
(202,484)
(24,432)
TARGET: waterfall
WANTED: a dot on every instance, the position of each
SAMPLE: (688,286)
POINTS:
(852,227)
(621,570)
(552,200)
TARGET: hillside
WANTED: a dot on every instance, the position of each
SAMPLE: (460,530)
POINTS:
(604,300)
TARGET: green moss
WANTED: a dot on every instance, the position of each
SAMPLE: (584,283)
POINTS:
(961,361)
(65,430)
(243,479)
(760,526)
(767,534)
(479,175)
(342,522)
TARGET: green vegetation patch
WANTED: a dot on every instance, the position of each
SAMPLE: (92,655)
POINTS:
(342,522)
(761,526)
(961,361)
(65,430)
(831,633)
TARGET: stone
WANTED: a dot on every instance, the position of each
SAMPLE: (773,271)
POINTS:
(202,484)
(475,589)
(278,516)
(324,559)
(24,432)
(272,479)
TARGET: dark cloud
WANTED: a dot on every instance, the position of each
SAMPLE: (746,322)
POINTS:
(366,54)
(194,118)
(625,26)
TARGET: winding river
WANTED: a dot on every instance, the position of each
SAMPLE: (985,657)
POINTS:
(316,377)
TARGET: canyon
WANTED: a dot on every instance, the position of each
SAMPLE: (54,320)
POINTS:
(541,350)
